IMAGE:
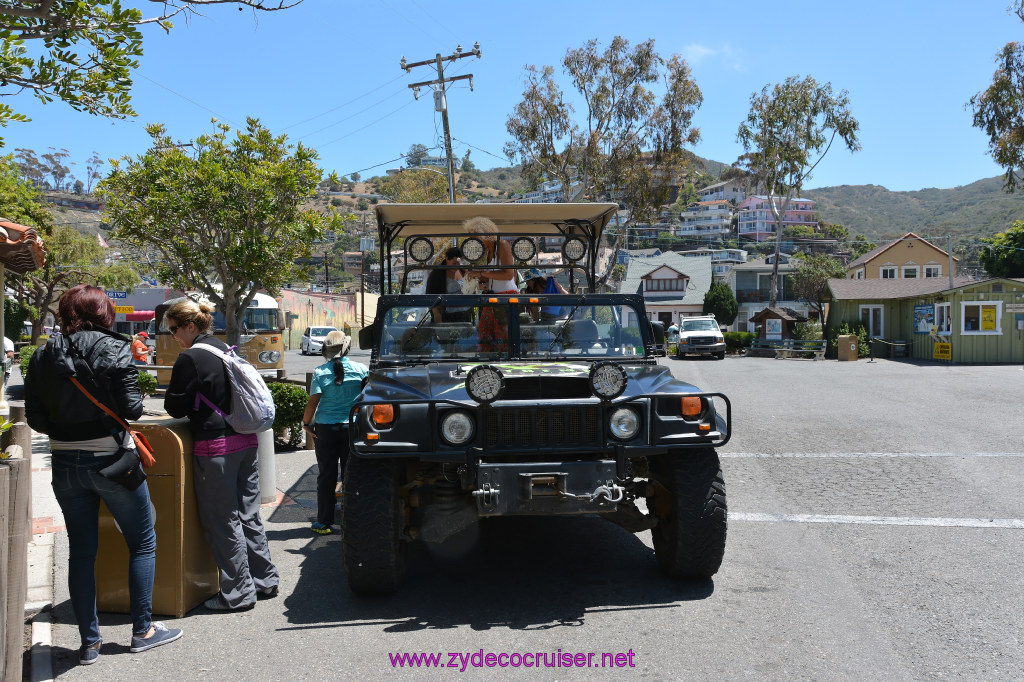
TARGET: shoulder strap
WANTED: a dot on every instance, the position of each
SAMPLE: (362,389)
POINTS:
(227,379)
(98,404)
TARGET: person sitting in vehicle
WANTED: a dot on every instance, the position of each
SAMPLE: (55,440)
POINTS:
(539,283)
(501,276)
(448,282)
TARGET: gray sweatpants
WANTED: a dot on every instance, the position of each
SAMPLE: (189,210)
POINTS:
(228,495)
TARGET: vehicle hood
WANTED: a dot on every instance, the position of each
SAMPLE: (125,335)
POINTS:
(447,380)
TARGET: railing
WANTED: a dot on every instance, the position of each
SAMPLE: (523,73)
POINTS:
(759,295)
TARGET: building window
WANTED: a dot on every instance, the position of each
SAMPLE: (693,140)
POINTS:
(741,321)
(943,323)
(933,271)
(910,271)
(887,273)
(981,318)
(860,273)
(872,317)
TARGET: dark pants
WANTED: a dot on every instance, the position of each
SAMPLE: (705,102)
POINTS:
(79,488)
(331,445)
(228,496)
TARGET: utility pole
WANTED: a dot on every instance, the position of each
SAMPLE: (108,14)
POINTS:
(949,251)
(441,99)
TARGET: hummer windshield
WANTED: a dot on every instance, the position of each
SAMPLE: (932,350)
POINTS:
(499,331)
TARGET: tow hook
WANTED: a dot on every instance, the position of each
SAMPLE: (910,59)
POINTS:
(611,492)
(487,496)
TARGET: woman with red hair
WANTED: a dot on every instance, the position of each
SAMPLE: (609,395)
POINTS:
(84,440)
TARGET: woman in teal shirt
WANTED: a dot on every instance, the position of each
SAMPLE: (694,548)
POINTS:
(336,386)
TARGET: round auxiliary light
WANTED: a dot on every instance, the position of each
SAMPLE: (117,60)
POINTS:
(269,356)
(524,248)
(473,249)
(421,249)
(457,427)
(574,249)
(485,384)
(624,423)
(607,380)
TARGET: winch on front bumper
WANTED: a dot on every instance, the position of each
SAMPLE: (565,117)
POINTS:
(564,488)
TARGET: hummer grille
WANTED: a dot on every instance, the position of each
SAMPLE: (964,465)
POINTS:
(532,427)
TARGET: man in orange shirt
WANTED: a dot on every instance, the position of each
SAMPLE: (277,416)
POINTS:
(140,351)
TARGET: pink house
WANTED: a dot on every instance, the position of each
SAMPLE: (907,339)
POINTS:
(755,220)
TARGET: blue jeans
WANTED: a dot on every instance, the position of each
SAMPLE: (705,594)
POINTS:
(79,488)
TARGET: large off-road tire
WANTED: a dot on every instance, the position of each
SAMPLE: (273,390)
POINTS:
(720,355)
(689,501)
(371,524)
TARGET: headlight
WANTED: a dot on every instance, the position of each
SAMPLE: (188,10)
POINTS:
(624,423)
(457,427)
(485,384)
(269,357)
(421,249)
(574,248)
(607,380)
(524,248)
(473,249)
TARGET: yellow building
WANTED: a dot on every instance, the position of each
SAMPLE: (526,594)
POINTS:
(909,257)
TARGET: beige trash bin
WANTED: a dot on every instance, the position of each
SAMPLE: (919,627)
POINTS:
(847,347)
(186,573)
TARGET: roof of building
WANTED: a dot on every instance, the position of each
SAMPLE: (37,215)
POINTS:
(714,202)
(698,269)
(723,183)
(876,251)
(852,289)
(761,264)
(779,311)
(21,249)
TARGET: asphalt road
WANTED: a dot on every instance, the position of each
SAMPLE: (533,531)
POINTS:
(876,531)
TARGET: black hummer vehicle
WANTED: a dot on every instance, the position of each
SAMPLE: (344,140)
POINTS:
(570,414)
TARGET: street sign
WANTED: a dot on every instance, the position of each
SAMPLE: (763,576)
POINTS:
(117,294)
(367,243)
(124,309)
(1015,307)
(942,351)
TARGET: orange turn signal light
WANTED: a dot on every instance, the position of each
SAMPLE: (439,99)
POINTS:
(704,427)
(383,415)
(692,406)
(534,300)
(492,300)
(513,300)
(373,436)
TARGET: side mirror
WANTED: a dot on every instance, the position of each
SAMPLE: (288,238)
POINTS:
(658,331)
(368,337)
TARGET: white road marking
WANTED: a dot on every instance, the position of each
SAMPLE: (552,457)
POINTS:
(857,455)
(877,520)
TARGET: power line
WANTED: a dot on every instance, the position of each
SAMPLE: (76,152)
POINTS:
(340,106)
(192,101)
(500,158)
(391,113)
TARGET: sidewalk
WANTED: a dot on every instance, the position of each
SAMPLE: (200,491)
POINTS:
(49,539)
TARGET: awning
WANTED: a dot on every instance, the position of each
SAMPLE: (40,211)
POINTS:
(140,316)
(21,249)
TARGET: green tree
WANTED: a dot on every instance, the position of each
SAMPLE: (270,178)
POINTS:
(722,303)
(355,177)
(71,258)
(809,282)
(790,128)
(92,171)
(837,232)
(627,143)
(20,199)
(416,187)
(1004,256)
(229,217)
(860,245)
(15,315)
(414,157)
(83,52)
(999,109)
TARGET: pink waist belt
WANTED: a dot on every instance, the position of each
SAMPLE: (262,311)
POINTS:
(224,446)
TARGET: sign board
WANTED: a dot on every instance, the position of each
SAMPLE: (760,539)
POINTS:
(124,309)
(773,328)
(367,243)
(942,351)
(924,319)
(1015,307)
(117,294)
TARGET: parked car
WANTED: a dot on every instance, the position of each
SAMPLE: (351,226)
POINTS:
(501,414)
(700,336)
(313,339)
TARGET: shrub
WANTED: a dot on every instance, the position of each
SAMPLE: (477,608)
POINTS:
(807,331)
(147,383)
(26,355)
(737,341)
(289,403)
(849,327)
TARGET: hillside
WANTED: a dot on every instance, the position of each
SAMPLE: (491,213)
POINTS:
(978,209)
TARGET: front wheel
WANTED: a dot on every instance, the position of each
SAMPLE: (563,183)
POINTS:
(371,526)
(687,494)
(720,356)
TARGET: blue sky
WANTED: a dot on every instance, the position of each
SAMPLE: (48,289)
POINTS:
(327,73)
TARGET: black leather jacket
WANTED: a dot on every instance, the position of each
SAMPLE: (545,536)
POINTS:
(102,361)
